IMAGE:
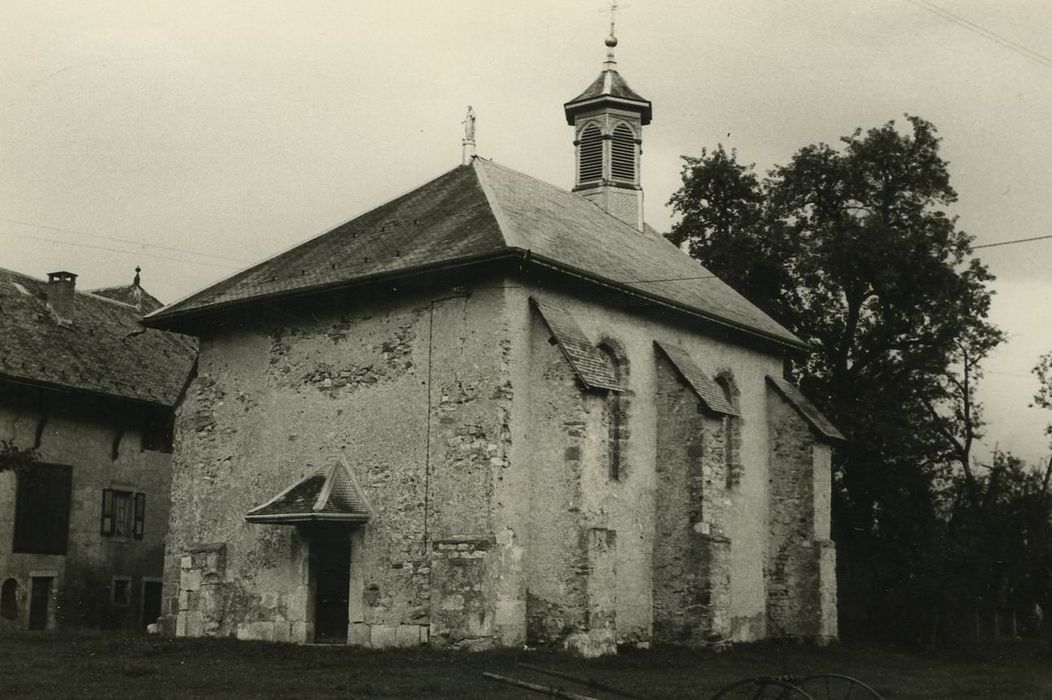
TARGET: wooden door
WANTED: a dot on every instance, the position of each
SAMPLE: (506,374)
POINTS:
(331,558)
(39,597)
(151,602)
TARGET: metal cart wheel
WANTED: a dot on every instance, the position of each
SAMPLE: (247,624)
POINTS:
(763,688)
(834,686)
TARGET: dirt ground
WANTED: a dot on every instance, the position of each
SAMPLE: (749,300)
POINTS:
(119,665)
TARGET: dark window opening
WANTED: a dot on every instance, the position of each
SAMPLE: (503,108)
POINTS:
(123,514)
(623,150)
(617,415)
(121,590)
(591,154)
(732,437)
(158,433)
(9,599)
(42,509)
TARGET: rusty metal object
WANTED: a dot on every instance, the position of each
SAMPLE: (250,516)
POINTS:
(762,688)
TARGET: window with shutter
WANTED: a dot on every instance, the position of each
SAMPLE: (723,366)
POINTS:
(106,528)
(590,149)
(123,514)
(42,504)
(623,150)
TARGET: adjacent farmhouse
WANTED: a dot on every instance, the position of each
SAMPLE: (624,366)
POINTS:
(90,394)
(492,412)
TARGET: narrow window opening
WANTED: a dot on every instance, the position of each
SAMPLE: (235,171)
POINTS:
(590,148)
(120,590)
(617,415)
(623,150)
(732,439)
(9,599)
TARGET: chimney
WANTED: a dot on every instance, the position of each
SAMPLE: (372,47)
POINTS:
(60,286)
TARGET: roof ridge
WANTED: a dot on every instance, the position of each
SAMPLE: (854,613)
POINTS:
(226,282)
(549,185)
(93,295)
(86,293)
(110,289)
(510,237)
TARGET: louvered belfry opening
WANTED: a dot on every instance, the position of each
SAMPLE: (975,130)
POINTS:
(623,164)
(590,148)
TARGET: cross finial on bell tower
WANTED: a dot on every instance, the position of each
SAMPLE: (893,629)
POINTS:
(611,39)
(608,120)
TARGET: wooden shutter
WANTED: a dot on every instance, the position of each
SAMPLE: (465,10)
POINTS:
(106,528)
(623,150)
(591,154)
(140,515)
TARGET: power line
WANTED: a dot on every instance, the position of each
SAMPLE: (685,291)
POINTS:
(119,250)
(1018,240)
(982,31)
(122,240)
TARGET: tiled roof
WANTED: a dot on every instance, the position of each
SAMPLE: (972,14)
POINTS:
(327,495)
(807,410)
(104,350)
(707,391)
(482,211)
(609,84)
(591,368)
(133,295)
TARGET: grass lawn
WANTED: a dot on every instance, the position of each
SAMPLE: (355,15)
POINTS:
(119,665)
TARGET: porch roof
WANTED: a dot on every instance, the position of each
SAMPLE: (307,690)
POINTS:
(328,495)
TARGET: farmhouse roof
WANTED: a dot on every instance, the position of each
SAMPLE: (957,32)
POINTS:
(478,212)
(100,349)
(132,295)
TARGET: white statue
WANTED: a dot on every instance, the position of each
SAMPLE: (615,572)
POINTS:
(469,125)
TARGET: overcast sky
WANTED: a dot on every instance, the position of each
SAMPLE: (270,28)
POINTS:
(193,138)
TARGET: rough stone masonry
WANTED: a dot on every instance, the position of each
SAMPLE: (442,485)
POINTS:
(494,516)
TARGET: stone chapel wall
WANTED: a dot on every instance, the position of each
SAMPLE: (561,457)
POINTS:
(692,543)
(801,567)
(409,394)
(565,446)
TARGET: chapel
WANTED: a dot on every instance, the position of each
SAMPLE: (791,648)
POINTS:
(492,413)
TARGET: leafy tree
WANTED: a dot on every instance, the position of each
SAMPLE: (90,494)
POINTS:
(1043,398)
(852,248)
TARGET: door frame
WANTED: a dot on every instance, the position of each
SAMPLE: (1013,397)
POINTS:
(49,609)
(142,599)
(316,541)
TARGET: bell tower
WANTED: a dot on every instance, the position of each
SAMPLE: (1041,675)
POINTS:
(608,120)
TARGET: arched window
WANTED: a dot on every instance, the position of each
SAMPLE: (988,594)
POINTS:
(9,599)
(616,413)
(623,149)
(590,149)
(732,436)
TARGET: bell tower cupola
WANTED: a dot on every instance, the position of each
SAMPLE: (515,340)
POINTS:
(608,120)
